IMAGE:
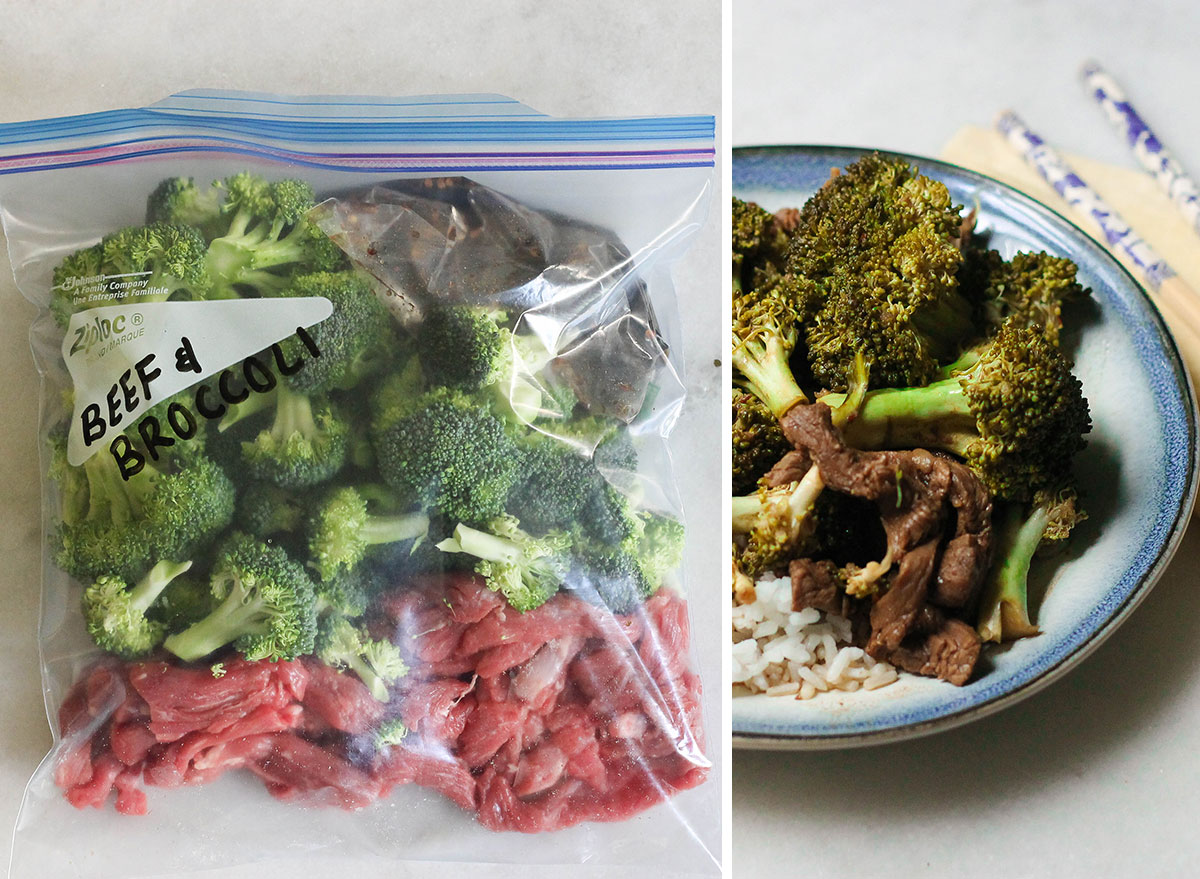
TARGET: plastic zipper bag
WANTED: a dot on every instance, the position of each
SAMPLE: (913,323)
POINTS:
(360,531)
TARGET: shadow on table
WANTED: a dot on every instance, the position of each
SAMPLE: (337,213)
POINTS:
(1110,701)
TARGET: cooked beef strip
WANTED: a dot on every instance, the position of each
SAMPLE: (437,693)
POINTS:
(949,653)
(920,496)
(815,584)
(790,468)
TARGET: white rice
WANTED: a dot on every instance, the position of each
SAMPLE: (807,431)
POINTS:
(782,652)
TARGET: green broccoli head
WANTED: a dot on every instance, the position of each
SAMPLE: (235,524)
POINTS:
(116,613)
(450,454)
(157,513)
(377,663)
(463,347)
(342,529)
(1031,288)
(554,483)
(267,232)
(765,331)
(526,570)
(265,606)
(166,260)
(610,578)
(355,341)
(660,549)
(306,444)
(180,200)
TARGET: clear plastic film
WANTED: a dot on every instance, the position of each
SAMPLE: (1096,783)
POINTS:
(433,609)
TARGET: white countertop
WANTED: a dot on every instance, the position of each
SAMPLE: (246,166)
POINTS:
(599,59)
(1098,775)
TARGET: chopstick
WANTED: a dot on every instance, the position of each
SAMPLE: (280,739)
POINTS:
(1178,303)
(1144,143)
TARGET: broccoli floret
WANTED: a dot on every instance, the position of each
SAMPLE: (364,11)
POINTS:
(526,570)
(1021,532)
(376,662)
(116,614)
(157,513)
(266,606)
(267,230)
(342,530)
(758,441)
(266,510)
(765,331)
(759,245)
(180,200)
(607,441)
(463,347)
(449,453)
(610,519)
(306,444)
(169,259)
(875,257)
(613,578)
(390,732)
(355,340)
(660,549)
(1030,291)
(1017,417)
(554,485)
(772,524)
(396,395)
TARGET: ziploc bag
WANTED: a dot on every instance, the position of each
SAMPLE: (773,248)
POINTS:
(360,532)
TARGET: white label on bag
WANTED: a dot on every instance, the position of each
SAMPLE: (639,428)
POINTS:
(124,359)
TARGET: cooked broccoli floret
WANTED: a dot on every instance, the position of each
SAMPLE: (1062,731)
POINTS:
(265,606)
(1004,610)
(376,662)
(116,614)
(772,524)
(758,441)
(342,530)
(267,230)
(180,200)
(759,245)
(157,513)
(447,451)
(1017,416)
(764,334)
(154,263)
(1030,290)
(355,340)
(877,250)
(306,443)
(526,570)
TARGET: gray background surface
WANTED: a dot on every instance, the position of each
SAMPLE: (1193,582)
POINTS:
(1098,775)
(599,59)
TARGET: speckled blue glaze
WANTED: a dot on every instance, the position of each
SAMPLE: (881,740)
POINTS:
(1137,474)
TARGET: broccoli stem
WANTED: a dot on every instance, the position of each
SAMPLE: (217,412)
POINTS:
(242,612)
(111,496)
(793,500)
(392,529)
(1004,612)
(146,591)
(484,546)
(764,363)
(937,415)
(293,415)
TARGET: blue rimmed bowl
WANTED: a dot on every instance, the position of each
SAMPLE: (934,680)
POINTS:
(1137,475)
